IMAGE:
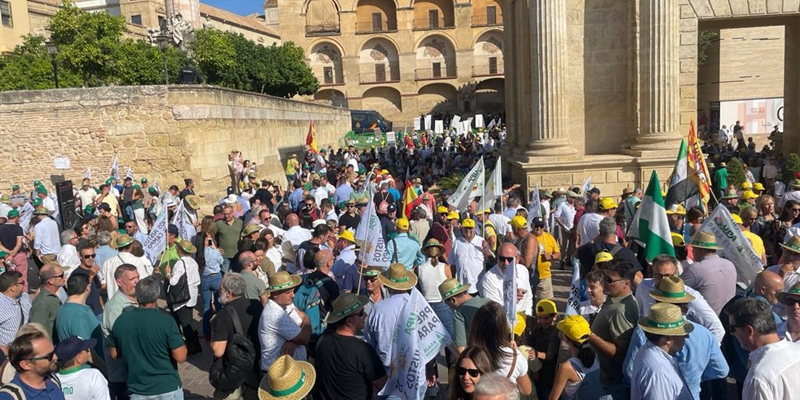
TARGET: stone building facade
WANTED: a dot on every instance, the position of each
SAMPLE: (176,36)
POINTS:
(607,88)
(402,58)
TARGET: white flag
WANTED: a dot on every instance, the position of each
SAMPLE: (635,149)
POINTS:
(479,121)
(417,339)
(470,187)
(535,208)
(439,128)
(510,294)
(494,186)
(88,173)
(455,122)
(181,219)
(735,246)
(155,186)
(586,187)
(129,173)
(417,123)
(492,123)
(370,237)
(115,167)
(574,301)
(25,215)
(156,241)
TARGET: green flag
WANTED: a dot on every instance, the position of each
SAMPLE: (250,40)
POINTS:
(651,227)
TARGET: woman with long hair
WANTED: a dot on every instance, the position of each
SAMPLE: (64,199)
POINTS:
(470,366)
(489,332)
(209,261)
(789,216)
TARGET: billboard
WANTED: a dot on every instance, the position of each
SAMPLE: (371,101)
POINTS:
(756,115)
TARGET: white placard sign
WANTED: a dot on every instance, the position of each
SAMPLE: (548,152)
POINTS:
(479,121)
(417,123)
(61,163)
(439,127)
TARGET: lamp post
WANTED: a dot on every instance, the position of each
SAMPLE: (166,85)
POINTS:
(163,45)
(52,50)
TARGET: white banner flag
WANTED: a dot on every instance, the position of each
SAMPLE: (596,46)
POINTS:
(586,187)
(470,187)
(492,123)
(115,167)
(479,121)
(370,237)
(574,301)
(494,187)
(535,208)
(155,186)
(129,173)
(439,128)
(417,123)
(455,122)
(735,246)
(88,173)
(510,294)
(418,338)
(156,241)
(181,219)
(25,215)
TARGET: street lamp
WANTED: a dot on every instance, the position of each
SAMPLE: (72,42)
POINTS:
(52,50)
(163,44)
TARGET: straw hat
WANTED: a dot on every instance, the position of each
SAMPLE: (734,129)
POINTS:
(795,184)
(40,210)
(667,320)
(371,271)
(122,241)
(794,291)
(193,201)
(283,280)
(793,244)
(397,277)
(671,290)
(432,243)
(346,305)
(187,246)
(705,240)
(575,328)
(729,194)
(250,229)
(287,379)
(451,287)
(676,209)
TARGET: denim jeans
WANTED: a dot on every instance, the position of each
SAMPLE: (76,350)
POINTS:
(175,395)
(209,286)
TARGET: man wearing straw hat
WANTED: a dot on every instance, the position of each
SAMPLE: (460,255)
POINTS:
(657,375)
(287,380)
(790,269)
(789,329)
(282,329)
(702,359)
(774,363)
(347,366)
(464,306)
(712,276)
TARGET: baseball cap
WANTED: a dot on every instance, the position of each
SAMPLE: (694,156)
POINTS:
(468,223)
(453,215)
(594,190)
(538,222)
(442,210)
(603,256)
(546,307)
(402,224)
(13,214)
(519,222)
(172,229)
(70,347)
(607,203)
(737,219)
(575,328)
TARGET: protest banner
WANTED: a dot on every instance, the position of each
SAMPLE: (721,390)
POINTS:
(156,240)
(735,246)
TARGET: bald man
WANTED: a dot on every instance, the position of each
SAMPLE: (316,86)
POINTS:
(323,262)
(46,305)
(256,288)
(766,285)
(294,235)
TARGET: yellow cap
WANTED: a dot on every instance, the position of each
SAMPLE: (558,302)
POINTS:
(748,194)
(545,307)
(737,219)
(758,186)
(442,210)
(746,185)
(519,324)
(677,240)
(603,256)
(468,223)
(575,328)
(347,235)
(486,211)
(519,222)
(608,203)
(453,215)
(676,209)
(402,224)
(384,172)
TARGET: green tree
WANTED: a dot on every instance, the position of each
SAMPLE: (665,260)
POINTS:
(29,67)
(704,41)
(790,168)
(735,172)
(290,75)
(87,42)
(137,62)
(214,55)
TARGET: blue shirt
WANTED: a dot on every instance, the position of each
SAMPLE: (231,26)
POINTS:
(342,193)
(295,199)
(51,391)
(657,376)
(103,253)
(700,360)
(409,251)
(396,196)
(381,324)
(214,261)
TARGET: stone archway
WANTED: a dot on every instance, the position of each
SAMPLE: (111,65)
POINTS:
(385,100)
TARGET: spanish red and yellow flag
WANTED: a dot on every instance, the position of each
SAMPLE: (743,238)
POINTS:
(698,171)
(311,138)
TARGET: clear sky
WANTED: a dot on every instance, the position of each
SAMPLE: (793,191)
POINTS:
(241,7)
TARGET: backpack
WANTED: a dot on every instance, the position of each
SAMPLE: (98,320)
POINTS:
(229,372)
(308,299)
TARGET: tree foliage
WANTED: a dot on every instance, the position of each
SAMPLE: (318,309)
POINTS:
(736,174)
(136,62)
(30,67)
(704,41)
(791,168)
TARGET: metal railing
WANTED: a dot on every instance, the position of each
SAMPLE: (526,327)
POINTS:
(487,20)
(373,77)
(439,23)
(322,30)
(446,72)
(487,70)
(373,27)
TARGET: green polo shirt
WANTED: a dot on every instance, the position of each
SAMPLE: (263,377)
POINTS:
(616,320)
(79,320)
(463,316)
(228,237)
(44,310)
(144,339)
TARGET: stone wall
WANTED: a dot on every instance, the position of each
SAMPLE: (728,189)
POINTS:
(164,133)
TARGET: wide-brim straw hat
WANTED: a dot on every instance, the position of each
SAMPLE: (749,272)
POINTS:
(671,290)
(346,305)
(250,229)
(451,287)
(397,277)
(793,244)
(432,243)
(40,210)
(794,291)
(704,240)
(192,201)
(282,281)
(187,246)
(122,241)
(667,320)
(287,379)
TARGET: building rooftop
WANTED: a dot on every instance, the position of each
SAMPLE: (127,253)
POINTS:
(235,19)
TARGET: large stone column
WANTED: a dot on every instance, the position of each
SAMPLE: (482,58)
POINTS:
(659,79)
(548,80)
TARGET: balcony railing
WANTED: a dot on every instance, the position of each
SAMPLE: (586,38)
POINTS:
(374,27)
(372,77)
(322,30)
(330,81)
(429,24)
(422,74)
(486,20)
(487,70)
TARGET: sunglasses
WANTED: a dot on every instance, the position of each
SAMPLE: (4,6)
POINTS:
(609,280)
(48,357)
(56,276)
(88,256)
(790,301)
(506,259)
(461,371)
(795,209)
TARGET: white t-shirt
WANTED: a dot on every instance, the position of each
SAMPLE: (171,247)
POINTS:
(520,365)
(277,326)
(85,383)
(588,227)
(86,196)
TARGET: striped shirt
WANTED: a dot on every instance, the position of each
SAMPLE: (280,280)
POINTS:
(13,314)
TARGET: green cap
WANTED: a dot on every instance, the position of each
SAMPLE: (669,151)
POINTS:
(41,189)
(36,202)
(13,214)
(15,187)
(144,180)
(151,190)
(36,183)
(109,181)
(88,210)
(137,187)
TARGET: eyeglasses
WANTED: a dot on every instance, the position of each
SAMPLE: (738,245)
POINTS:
(609,280)
(662,276)
(790,301)
(506,259)
(73,238)
(48,357)
(57,276)
(88,256)
(795,209)
(461,371)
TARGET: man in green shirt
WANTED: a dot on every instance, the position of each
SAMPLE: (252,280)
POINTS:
(256,288)
(721,178)
(148,341)
(464,306)
(75,318)
(126,276)
(45,306)
(170,256)
(228,230)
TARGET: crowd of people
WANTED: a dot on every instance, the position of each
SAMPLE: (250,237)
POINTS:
(289,309)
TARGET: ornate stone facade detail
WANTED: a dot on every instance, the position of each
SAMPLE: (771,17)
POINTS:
(379,53)
(327,55)
(436,48)
(493,45)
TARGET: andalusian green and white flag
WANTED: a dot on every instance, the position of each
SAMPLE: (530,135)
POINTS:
(651,227)
(680,186)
